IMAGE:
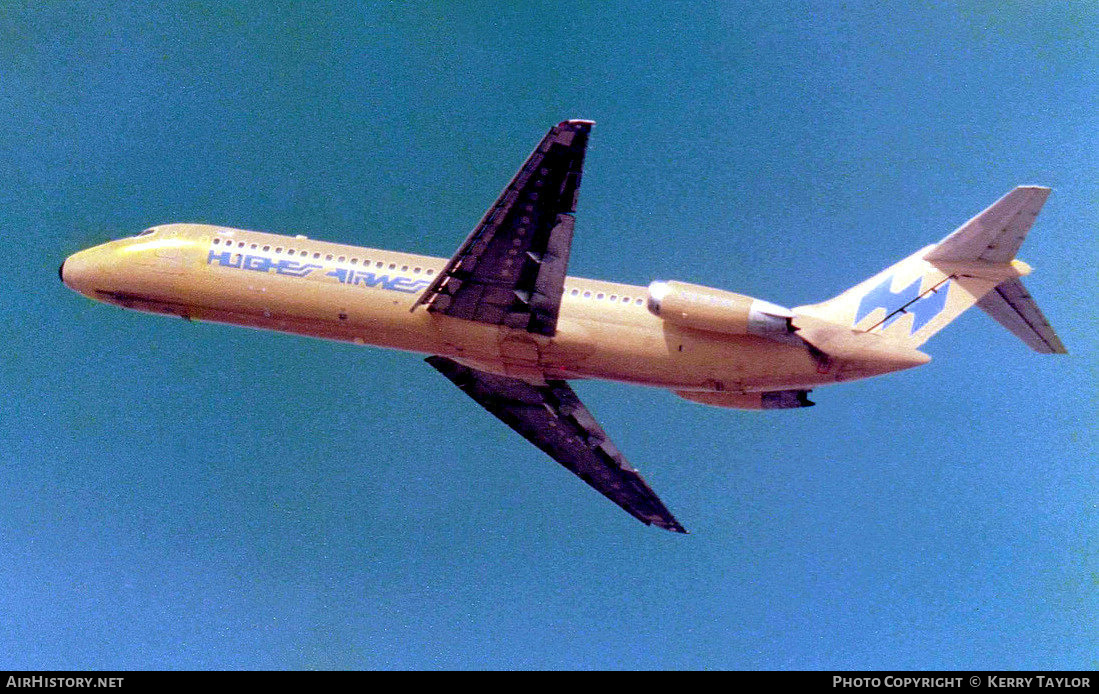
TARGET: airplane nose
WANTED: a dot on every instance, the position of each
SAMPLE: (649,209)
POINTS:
(77,271)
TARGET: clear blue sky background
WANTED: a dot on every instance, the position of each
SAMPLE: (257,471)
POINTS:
(197,496)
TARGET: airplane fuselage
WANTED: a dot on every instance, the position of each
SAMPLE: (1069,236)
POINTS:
(362,295)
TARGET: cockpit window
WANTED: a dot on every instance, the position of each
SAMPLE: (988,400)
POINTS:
(147,232)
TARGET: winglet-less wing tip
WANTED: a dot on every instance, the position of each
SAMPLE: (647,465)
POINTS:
(675,527)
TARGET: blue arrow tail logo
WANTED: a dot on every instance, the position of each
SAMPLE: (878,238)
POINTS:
(922,309)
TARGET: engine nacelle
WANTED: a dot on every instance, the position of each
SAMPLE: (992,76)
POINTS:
(770,400)
(718,311)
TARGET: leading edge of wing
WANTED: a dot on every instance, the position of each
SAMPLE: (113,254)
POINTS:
(552,417)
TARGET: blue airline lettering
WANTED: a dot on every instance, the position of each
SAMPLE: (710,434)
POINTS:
(409,286)
(923,310)
(225,259)
(369,279)
(292,268)
(339,273)
(257,263)
(295,269)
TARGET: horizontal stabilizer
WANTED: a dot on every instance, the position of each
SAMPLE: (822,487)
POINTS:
(1014,308)
(994,236)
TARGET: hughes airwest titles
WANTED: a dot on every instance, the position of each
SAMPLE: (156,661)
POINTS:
(503,321)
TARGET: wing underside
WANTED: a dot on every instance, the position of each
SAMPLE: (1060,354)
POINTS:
(552,417)
(510,271)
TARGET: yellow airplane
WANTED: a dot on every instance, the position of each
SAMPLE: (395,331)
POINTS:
(504,323)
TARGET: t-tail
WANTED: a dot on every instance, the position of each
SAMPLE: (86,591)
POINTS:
(909,302)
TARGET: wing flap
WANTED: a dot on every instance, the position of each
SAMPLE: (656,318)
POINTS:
(553,419)
(1012,306)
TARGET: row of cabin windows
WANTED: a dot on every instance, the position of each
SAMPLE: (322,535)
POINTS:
(601,296)
(317,256)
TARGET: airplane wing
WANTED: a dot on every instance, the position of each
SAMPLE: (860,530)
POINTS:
(551,417)
(511,269)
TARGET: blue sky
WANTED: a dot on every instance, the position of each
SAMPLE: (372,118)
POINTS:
(199,496)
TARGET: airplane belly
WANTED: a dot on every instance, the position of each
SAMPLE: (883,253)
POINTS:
(694,360)
(626,352)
